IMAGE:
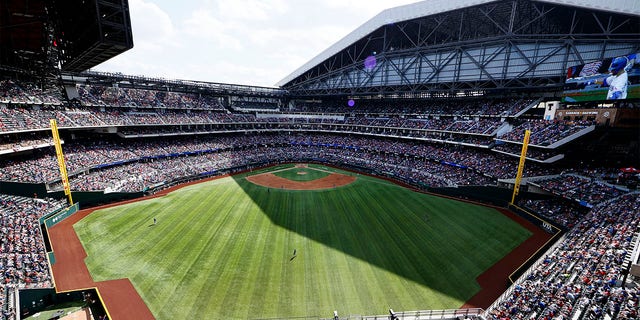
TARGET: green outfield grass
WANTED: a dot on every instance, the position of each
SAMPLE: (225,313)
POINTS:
(223,249)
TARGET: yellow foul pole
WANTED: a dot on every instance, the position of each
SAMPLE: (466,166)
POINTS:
(523,157)
(61,164)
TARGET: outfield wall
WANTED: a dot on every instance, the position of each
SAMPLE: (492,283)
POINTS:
(548,226)
(487,194)
(43,299)
(23,189)
(47,221)
(51,219)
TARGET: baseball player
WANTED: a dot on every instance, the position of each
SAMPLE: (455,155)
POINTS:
(618,80)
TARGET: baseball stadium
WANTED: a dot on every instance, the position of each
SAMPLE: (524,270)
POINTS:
(459,159)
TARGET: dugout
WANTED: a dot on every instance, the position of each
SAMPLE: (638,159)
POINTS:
(34,301)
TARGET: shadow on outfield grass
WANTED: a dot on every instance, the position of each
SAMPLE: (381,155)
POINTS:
(385,226)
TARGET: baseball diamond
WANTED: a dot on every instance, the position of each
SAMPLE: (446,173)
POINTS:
(250,230)
(445,159)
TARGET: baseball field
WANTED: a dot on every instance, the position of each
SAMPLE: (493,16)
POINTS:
(293,241)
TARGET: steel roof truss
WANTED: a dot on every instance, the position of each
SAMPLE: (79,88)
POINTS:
(480,66)
(401,71)
(407,36)
(439,21)
(541,14)
(495,23)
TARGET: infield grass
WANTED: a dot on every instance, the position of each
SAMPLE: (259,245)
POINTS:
(223,249)
(301,174)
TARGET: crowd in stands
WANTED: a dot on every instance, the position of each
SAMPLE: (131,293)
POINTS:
(254,106)
(82,156)
(562,183)
(532,152)
(587,190)
(544,133)
(562,211)
(446,129)
(495,107)
(449,124)
(469,121)
(18,118)
(13,118)
(24,92)
(602,173)
(17,142)
(23,259)
(582,276)
(8,310)
(296,126)
(595,192)
(129,97)
(142,163)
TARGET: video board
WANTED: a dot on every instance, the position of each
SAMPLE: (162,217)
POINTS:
(615,78)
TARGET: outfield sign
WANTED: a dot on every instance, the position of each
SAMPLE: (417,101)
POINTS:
(61,215)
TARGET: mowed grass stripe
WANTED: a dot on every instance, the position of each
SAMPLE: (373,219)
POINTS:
(408,252)
(180,271)
(393,252)
(341,292)
(314,266)
(319,261)
(264,270)
(297,293)
(207,273)
(237,301)
(221,249)
(188,223)
(301,206)
(284,299)
(346,212)
(203,276)
(272,256)
(226,260)
(358,293)
(303,298)
(272,287)
(224,263)
(370,246)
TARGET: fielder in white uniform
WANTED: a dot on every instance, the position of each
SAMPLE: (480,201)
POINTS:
(618,81)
